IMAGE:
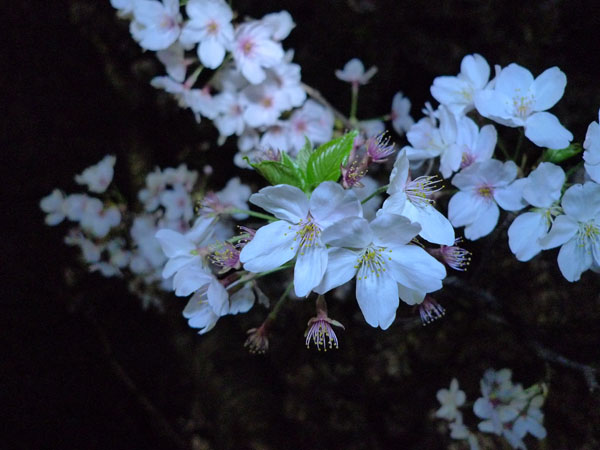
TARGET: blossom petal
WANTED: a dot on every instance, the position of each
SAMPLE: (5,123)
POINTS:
(414,268)
(309,269)
(174,243)
(330,203)
(410,296)
(524,233)
(485,223)
(211,53)
(352,232)
(189,279)
(573,260)
(217,297)
(563,229)
(393,230)
(465,207)
(283,201)
(476,69)
(377,297)
(341,268)
(510,198)
(273,245)
(544,130)
(496,106)
(548,88)
(582,201)
(435,227)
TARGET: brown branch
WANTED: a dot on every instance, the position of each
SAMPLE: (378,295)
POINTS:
(589,373)
(312,92)
(158,419)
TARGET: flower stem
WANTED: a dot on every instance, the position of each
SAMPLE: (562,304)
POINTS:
(253,214)
(268,272)
(519,144)
(273,314)
(379,190)
(354,103)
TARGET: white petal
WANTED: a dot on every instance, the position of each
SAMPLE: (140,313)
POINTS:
(435,227)
(173,243)
(394,204)
(189,279)
(330,203)
(377,297)
(410,296)
(476,69)
(573,260)
(544,130)
(217,297)
(399,174)
(582,201)
(563,229)
(393,230)
(524,233)
(273,245)
(548,88)
(544,185)
(211,53)
(496,106)
(177,263)
(514,79)
(352,232)
(309,269)
(341,268)
(486,143)
(465,207)
(510,198)
(485,223)
(414,268)
(283,201)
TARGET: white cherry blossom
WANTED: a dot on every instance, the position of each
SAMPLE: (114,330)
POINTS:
(519,100)
(400,115)
(98,177)
(386,266)
(591,155)
(354,72)
(156,23)
(298,232)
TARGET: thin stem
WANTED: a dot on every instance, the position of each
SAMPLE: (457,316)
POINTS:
(354,102)
(312,92)
(501,146)
(379,190)
(273,314)
(519,144)
(253,214)
(263,274)
(573,169)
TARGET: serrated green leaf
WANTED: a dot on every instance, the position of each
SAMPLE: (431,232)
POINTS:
(277,172)
(559,155)
(304,154)
(324,163)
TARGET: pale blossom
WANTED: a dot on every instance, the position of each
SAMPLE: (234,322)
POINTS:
(298,232)
(384,262)
(210,25)
(450,399)
(98,177)
(97,219)
(519,100)
(482,188)
(591,155)
(254,50)
(457,92)
(280,23)
(354,72)
(400,115)
(157,23)
(54,206)
(577,232)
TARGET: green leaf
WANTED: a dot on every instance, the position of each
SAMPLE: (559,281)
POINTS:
(559,155)
(324,163)
(304,154)
(277,172)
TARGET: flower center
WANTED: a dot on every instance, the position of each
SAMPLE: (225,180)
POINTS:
(372,262)
(308,234)
(167,22)
(467,159)
(522,105)
(588,233)
(420,190)
(485,192)
(246,45)
(212,27)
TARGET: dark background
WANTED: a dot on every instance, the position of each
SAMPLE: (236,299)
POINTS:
(85,367)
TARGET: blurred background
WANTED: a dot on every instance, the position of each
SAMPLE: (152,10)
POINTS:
(85,366)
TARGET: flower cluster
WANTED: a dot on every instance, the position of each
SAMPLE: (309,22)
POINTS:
(506,409)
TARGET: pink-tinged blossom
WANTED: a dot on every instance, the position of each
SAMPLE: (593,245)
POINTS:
(400,115)
(482,188)
(432,136)
(312,121)
(453,256)
(384,262)
(98,177)
(286,77)
(542,190)
(97,219)
(157,23)
(254,50)
(379,148)
(184,249)
(280,23)
(54,206)
(264,104)
(450,400)
(320,328)
(298,232)
(274,140)
(177,203)
(591,155)
(354,72)
(577,231)
(519,100)
(412,199)
(210,26)
(173,58)
(430,310)
(472,145)
(457,92)
(230,117)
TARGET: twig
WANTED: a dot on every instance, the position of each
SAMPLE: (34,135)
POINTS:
(312,92)
(589,373)
(159,420)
